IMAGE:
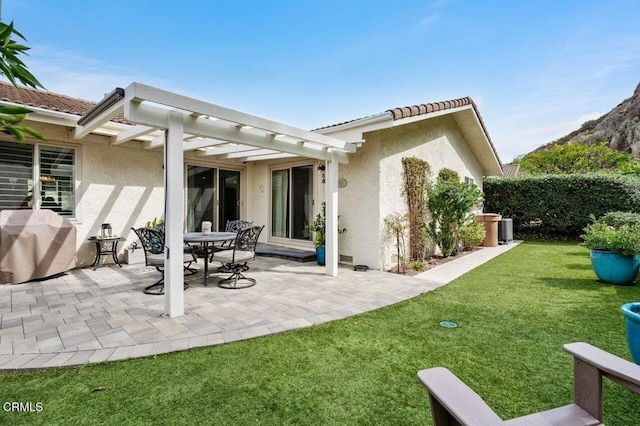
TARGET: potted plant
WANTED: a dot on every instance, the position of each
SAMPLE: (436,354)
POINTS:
(134,254)
(631,311)
(615,250)
(318,227)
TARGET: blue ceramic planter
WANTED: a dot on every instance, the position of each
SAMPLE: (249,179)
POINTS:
(613,268)
(631,311)
(320,252)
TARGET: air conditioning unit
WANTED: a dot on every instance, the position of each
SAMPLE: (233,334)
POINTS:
(505,231)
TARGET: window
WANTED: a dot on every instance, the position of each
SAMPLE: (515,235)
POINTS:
(51,167)
(469,180)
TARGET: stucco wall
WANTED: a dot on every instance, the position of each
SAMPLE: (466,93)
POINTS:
(121,186)
(375,182)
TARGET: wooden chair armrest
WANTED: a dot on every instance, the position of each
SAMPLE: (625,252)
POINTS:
(452,399)
(621,371)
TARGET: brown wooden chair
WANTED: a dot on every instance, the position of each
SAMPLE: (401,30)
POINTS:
(454,403)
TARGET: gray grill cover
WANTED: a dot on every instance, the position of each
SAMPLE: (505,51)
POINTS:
(35,244)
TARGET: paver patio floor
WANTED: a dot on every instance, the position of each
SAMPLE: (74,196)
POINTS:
(88,316)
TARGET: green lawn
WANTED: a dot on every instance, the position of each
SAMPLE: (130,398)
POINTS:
(513,313)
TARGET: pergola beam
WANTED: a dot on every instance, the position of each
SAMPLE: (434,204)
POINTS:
(201,143)
(155,116)
(132,133)
(137,92)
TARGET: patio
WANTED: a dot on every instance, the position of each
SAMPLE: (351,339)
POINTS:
(88,316)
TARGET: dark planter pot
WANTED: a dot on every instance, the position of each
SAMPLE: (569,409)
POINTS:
(614,268)
(631,311)
(320,251)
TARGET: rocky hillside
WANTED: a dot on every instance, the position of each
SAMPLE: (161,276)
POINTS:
(620,126)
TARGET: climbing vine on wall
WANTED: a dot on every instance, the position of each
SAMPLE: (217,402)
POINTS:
(417,174)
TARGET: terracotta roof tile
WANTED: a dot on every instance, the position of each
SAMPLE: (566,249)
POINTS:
(44,99)
(413,110)
(511,170)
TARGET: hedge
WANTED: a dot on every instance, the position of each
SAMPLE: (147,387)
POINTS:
(559,206)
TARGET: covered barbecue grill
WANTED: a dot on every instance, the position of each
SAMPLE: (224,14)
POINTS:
(35,244)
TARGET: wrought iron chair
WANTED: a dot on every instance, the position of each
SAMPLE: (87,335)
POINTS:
(231,226)
(235,260)
(153,244)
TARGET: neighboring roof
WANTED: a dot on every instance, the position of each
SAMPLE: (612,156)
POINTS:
(44,99)
(511,170)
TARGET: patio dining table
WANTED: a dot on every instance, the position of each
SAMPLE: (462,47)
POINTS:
(206,240)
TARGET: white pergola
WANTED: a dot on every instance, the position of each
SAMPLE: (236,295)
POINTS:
(178,123)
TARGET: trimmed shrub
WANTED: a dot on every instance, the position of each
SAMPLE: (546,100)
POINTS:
(617,219)
(472,234)
(559,206)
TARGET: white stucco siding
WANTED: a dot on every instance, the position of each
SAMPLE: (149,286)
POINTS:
(375,182)
(258,196)
(120,186)
(358,205)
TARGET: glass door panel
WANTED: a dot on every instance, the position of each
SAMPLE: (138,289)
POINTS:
(302,201)
(200,197)
(292,202)
(280,203)
(229,191)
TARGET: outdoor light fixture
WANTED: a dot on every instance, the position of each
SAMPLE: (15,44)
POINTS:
(108,101)
(321,169)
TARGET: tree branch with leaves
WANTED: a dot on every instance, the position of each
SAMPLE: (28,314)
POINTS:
(12,67)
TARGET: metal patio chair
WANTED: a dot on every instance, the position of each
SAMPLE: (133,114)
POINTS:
(235,260)
(153,244)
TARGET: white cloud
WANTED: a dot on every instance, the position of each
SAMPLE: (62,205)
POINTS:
(427,21)
(78,76)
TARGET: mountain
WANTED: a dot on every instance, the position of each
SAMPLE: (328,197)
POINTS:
(620,127)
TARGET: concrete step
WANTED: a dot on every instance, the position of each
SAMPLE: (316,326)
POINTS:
(272,250)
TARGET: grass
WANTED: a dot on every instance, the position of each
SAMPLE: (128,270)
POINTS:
(513,313)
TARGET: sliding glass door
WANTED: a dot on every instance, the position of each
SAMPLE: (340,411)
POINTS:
(212,195)
(292,202)
(229,190)
(200,197)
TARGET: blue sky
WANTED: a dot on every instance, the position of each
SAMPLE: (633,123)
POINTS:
(536,69)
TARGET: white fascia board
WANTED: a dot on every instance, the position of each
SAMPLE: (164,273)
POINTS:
(100,119)
(429,115)
(42,115)
(366,124)
(154,116)
(354,131)
(138,93)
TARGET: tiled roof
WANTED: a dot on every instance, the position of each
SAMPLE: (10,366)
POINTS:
(511,170)
(43,99)
(413,110)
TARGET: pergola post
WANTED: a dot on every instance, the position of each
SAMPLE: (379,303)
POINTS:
(174,216)
(331,240)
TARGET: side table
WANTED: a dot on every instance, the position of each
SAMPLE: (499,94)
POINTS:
(106,246)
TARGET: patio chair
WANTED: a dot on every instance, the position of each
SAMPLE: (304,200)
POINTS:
(231,226)
(454,403)
(153,244)
(235,260)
